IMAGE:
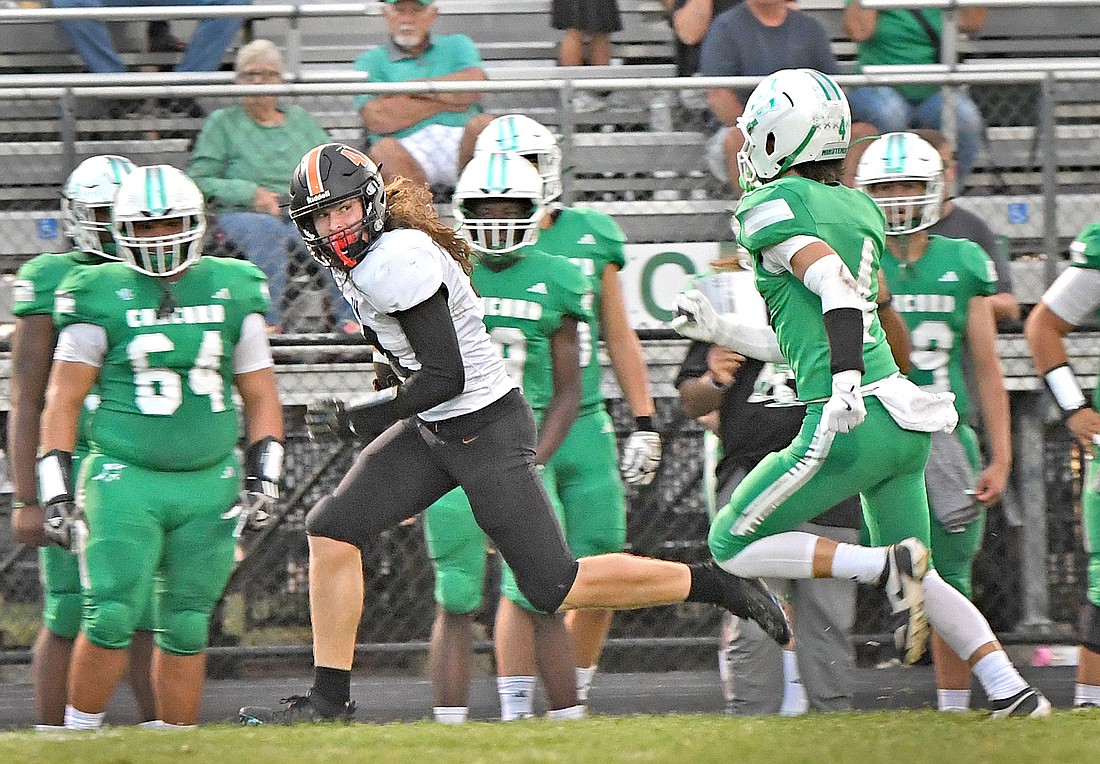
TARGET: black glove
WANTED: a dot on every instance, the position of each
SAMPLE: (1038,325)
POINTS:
(327,419)
(263,468)
(65,524)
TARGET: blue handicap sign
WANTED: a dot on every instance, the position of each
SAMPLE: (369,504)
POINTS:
(47,228)
(1019,213)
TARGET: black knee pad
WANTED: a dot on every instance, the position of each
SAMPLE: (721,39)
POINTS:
(1090,627)
(546,593)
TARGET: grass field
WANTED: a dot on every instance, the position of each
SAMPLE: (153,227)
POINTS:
(889,736)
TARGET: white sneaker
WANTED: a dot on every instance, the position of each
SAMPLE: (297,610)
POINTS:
(906,564)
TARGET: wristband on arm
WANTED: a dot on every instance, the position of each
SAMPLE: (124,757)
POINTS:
(1063,386)
(55,476)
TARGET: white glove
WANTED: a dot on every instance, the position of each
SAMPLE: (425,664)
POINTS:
(695,319)
(641,457)
(844,410)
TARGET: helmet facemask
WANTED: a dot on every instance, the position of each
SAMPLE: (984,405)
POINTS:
(333,175)
(499,204)
(159,193)
(88,232)
(898,159)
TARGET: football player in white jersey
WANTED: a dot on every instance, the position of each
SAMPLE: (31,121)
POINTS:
(455,418)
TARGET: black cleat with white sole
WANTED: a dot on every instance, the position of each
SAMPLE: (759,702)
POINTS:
(1028,702)
(300,709)
(751,598)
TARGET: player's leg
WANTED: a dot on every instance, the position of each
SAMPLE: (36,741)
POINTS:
(1087,691)
(594,518)
(457,548)
(62,601)
(118,562)
(752,536)
(194,567)
(529,644)
(367,501)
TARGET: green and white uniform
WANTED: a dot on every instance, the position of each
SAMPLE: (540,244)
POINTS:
(1075,298)
(524,306)
(881,461)
(162,471)
(933,295)
(586,467)
(33,295)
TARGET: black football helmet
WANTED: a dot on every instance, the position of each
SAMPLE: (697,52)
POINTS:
(327,175)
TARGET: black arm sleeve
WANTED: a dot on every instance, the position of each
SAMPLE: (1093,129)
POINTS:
(844,329)
(441,376)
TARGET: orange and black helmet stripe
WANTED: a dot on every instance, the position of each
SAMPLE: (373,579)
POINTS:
(312,164)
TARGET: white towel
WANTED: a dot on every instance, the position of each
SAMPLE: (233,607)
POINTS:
(913,408)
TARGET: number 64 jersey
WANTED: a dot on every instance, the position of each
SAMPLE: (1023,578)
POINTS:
(163,375)
(780,218)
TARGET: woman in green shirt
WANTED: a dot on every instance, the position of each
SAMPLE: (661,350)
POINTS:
(242,161)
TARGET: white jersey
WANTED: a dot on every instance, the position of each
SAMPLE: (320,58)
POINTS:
(404,269)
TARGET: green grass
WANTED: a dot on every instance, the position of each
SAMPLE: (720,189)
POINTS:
(893,737)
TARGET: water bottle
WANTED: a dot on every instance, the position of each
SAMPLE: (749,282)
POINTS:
(660,113)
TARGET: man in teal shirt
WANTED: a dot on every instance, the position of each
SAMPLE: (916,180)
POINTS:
(427,138)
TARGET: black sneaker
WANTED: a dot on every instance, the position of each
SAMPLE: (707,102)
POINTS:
(1027,702)
(750,598)
(300,709)
(902,579)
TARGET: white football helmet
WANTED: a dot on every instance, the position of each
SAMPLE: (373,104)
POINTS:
(901,158)
(792,117)
(499,176)
(91,187)
(159,192)
(515,133)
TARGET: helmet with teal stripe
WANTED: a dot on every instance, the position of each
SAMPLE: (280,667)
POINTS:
(792,117)
(890,164)
(494,227)
(519,134)
(159,193)
(86,201)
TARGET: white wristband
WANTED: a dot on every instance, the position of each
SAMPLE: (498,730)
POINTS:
(1063,386)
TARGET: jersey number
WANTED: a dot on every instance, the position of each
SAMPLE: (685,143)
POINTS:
(159,391)
(932,343)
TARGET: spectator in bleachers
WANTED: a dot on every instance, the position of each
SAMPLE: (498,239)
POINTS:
(93,42)
(957,223)
(427,138)
(690,20)
(757,37)
(910,37)
(584,22)
(241,162)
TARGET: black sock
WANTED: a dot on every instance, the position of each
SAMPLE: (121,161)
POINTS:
(706,583)
(333,685)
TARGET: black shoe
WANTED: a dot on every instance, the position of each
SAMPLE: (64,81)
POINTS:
(300,709)
(1027,702)
(750,598)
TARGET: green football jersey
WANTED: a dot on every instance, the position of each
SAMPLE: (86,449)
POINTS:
(524,306)
(933,294)
(33,295)
(849,222)
(165,386)
(1084,252)
(591,240)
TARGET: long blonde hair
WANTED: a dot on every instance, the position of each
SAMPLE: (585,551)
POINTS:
(410,206)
